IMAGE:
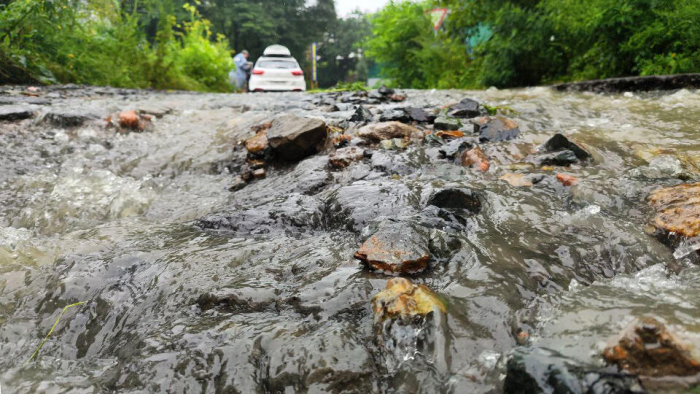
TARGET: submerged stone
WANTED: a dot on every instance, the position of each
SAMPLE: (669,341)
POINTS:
(388,130)
(538,371)
(455,147)
(678,209)
(646,347)
(476,158)
(561,159)
(560,142)
(457,198)
(566,180)
(396,248)
(517,180)
(294,138)
(402,300)
(495,129)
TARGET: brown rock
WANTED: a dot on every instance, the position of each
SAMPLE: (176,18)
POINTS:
(401,299)
(396,248)
(647,348)
(129,120)
(397,97)
(388,130)
(566,180)
(450,134)
(678,209)
(259,173)
(475,158)
(344,156)
(341,140)
(258,142)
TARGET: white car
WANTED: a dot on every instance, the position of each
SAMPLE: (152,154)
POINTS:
(277,71)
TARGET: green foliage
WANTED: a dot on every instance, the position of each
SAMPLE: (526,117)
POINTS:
(99,43)
(411,55)
(536,41)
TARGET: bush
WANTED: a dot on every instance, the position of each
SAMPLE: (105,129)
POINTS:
(98,43)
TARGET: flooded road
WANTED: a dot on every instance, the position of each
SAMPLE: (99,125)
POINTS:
(270,298)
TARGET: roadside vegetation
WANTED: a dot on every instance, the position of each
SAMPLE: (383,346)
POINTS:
(535,41)
(173,44)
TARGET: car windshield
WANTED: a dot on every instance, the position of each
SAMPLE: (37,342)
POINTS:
(280,64)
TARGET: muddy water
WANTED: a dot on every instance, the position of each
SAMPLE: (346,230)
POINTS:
(276,303)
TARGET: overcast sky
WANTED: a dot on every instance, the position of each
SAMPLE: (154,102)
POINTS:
(345,7)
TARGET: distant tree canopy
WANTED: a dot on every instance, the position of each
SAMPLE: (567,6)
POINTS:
(536,41)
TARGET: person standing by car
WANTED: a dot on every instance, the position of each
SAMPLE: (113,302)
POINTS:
(242,69)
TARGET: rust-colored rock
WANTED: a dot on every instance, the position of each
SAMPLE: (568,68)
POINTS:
(258,142)
(396,248)
(341,140)
(475,158)
(647,348)
(450,134)
(566,180)
(678,209)
(129,120)
(401,299)
(343,157)
(397,97)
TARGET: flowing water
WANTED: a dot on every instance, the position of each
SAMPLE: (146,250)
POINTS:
(277,303)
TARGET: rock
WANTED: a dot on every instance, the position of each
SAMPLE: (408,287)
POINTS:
(260,173)
(341,107)
(678,209)
(450,134)
(361,114)
(419,115)
(257,143)
(341,140)
(560,142)
(394,115)
(71,118)
(475,157)
(395,143)
(388,130)
(294,138)
(16,112)
(409,325)
(384,91)
(467,108)
(156,110)
(566,180)
(396,248)
(237,184)
(538,371)
(397,98)
(516,180)
(345,156)
(561,159)
(129,120)
(646,347)
(446,123)
(495,129)
(457,198)
(455,147)
(403,300)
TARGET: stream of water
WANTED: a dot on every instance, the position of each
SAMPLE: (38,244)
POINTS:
(91,215)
